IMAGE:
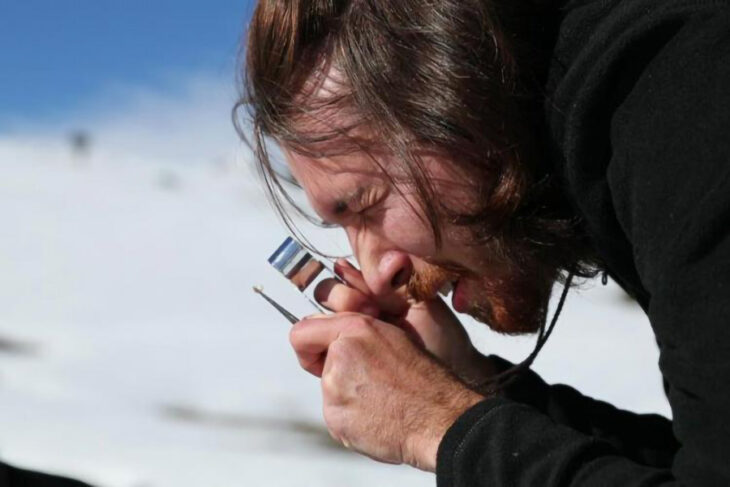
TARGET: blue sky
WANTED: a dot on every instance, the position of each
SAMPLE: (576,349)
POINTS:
(59,54)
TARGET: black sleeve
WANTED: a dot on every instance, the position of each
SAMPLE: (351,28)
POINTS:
(644,438)
(670,183)
(16,477)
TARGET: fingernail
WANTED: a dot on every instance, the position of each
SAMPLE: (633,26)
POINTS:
(342,267)
(319,293)
(338,270)
(347,263)
(314,316)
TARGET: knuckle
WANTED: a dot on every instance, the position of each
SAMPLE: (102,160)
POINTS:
(303,360)
(295,337)
(360,324)
(310,363)
(339,349)
(334,389)
(335,422)
(346,352)
(329,387)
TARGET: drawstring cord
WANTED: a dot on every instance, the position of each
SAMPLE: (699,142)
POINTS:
(502,379)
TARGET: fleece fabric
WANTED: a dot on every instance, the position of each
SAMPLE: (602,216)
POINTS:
(638,107)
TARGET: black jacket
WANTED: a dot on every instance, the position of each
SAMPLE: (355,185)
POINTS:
(15,477)
(639,114)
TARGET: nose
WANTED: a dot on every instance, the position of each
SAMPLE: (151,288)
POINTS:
(394,269)
(384,268)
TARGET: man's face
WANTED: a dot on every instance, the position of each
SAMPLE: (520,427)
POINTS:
(395,246)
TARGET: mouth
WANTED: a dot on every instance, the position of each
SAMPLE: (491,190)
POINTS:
(430,281)
(458,298)
(453,287)
(447,287)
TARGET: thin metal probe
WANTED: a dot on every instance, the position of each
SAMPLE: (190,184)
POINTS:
(290,317)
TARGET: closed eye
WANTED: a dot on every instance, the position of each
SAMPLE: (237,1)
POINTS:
(340,208)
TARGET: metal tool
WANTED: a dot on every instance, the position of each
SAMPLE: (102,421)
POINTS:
(289,316)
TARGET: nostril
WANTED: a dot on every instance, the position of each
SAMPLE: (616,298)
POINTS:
(399,279)
(394,270)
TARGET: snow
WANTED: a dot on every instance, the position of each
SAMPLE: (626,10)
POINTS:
(144,358)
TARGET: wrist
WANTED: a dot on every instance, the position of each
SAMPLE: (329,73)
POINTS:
(436,422)
(475,368)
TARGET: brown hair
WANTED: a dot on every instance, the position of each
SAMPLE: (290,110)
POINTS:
(461,78)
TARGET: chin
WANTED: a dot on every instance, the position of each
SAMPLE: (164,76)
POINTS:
(514,305)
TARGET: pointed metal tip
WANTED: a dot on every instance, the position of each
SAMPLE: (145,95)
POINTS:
(290,317)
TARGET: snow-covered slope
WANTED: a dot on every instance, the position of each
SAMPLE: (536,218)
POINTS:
(133,352)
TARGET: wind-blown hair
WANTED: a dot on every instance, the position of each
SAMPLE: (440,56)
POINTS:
(457,78)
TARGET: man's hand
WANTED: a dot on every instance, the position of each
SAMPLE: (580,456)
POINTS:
(430,323)
(382,395)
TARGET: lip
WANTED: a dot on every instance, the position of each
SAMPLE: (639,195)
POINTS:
(458,298)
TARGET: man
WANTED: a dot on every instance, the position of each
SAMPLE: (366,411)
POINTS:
(498,146)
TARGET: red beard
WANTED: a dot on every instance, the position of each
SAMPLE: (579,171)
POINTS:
(512,301)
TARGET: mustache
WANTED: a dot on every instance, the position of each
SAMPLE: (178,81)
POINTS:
(425,283)
(512,302)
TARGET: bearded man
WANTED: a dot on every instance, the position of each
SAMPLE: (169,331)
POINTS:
(499,146)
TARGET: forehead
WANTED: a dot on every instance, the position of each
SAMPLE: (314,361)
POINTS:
(324,107)
(338,146)
(334,173)
(333,140)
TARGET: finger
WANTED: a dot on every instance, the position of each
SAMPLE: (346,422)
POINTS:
(339,297)
(395,303)
(314,335)
(351,275)
(312,362)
